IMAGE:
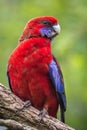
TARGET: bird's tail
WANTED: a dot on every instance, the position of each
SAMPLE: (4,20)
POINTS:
(62,115)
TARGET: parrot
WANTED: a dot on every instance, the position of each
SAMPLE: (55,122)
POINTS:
(33,72)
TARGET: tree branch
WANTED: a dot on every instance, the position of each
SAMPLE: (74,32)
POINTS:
(13,125)
(13,117)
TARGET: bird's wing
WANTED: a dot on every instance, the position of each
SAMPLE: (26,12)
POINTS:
(57,79)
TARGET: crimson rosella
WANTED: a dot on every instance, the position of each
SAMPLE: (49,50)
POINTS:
(33,71)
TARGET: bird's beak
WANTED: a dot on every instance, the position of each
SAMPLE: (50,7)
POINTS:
(56,28)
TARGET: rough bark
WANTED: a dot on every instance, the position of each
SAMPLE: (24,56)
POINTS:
(12,116)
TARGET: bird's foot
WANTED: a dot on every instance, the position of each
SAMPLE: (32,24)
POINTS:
(26,104)
(43,113)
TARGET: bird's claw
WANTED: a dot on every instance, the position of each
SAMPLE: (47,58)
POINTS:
(26,104)
(42,114)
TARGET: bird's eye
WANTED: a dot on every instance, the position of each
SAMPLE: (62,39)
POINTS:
(45,23)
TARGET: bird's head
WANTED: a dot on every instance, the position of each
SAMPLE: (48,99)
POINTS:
(44,26)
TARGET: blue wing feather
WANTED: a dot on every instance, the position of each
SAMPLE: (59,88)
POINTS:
(57,79)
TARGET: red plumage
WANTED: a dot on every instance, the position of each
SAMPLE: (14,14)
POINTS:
(28,67)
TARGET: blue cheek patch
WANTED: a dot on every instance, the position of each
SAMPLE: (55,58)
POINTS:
(46,32)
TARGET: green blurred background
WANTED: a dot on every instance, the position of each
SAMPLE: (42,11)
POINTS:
(70,47)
